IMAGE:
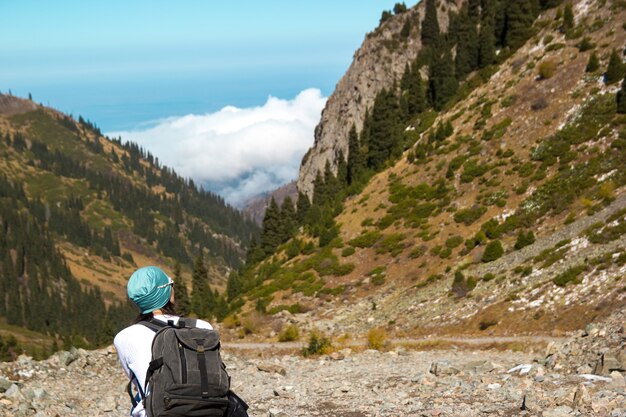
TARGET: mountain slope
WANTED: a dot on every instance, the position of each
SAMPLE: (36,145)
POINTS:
(506,213)
(106,207)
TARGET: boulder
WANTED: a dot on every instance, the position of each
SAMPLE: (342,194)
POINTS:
(439,368)
(607,364)
(272,368)
(562,411)
(5,384)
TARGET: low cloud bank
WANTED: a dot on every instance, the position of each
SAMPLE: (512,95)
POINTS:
(237,153)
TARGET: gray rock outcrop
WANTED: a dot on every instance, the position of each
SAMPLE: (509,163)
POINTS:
(379,62)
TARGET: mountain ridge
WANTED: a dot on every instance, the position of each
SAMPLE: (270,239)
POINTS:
(504,212)
(379,61)
(107,208)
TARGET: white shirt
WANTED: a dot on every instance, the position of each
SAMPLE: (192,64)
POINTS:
(134,349)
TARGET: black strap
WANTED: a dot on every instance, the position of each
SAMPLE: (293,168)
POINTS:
(156,325)
(129,389)
(204,377)
(183,362)
(154,365)
(153,324)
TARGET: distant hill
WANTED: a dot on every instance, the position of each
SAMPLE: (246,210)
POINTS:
(468,175)
(256,206)
(102,208)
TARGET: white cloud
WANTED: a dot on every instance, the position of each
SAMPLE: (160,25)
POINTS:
(234,152)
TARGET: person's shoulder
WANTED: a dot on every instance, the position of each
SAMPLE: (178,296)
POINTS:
(201,324)
(129,333)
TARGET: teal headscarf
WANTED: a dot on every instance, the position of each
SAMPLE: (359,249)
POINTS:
(149,288)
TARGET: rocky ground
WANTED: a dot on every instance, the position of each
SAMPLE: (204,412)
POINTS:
(582,375)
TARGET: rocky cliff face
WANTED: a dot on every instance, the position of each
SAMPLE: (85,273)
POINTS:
(379,62)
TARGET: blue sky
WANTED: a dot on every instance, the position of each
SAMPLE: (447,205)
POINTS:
(127,65)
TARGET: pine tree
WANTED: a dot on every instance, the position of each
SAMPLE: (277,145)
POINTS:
(487,36)
(399,8)
(413,99)
(234,285)
(442,82)
(621,98)
(430,25)
(467,51)
(289,220)
(615,70)
(473,9)
(255,253)
(356,163)
(201,294)
(520,15)
(568,18)
(180,292)
(384,129)
(319,190)
(271,234)
(342,170)
(593,64)
(331,183)
(493,251)
(220,307)
(303,206)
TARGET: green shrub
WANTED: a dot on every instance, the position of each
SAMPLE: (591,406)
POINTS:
(473,169)
(127,256)
(347,251)
(498,130)
(570,275)
(340,289)
(391,244)
(526,169)
(488,277)
(367,222)
(586,44)
(366,240)
(376,338)
(293,309)
(493,251)
(385,222)
(491,228)
(553,47)
(469,215)
(478,239)
(524,239)
(547,68)
(289,334)
(377,275)
(378,280)
(318,344)
(293,249)
(418,251)
(613,229)
(461,286)
(454,241)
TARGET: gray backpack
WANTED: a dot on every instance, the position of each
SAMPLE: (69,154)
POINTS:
(186,376)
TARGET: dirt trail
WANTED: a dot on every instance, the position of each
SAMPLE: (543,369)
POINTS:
(410,342)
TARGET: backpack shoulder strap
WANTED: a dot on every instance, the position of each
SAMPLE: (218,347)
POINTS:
(187,322)
(154,325)
(135,399)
